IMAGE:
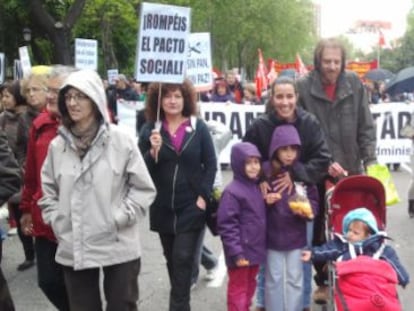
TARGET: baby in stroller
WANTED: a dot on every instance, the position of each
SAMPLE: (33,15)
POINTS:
(360,237)
(362,282)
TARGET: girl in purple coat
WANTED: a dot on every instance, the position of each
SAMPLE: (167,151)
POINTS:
(242,226)
(286,234)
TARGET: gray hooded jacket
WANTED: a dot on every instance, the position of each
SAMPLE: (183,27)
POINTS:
(93,204)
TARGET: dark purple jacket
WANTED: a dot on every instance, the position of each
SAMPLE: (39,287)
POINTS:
(287,231)
(242,212)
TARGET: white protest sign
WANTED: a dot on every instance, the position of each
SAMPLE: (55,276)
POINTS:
(390,118)
(25,63)
(199,68)
(162,43)
(2,68)
(112,74)
(86,54)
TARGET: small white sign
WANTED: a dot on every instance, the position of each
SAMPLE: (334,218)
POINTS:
(112,74)
(162,43)
(86,54)
(199,68)
(2,68)
(25,62)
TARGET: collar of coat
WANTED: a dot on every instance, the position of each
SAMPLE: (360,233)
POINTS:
(343,86)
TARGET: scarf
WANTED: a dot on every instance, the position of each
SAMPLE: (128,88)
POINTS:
(83,138)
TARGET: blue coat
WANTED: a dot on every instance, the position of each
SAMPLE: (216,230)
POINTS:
(241,215)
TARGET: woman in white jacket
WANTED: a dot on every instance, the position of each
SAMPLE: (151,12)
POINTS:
(95,188)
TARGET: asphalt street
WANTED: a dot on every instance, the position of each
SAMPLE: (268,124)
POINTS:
(207,296)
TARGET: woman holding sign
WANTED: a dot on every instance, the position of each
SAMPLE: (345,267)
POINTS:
(181,159)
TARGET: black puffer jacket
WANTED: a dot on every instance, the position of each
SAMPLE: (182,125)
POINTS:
(314,157)
(180,178)
(9,171)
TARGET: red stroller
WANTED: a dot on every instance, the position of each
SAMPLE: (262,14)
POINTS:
(364,283)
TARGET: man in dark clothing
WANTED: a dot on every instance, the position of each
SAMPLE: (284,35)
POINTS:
(339,101)
(9,185)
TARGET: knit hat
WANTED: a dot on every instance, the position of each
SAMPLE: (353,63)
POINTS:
(363,214)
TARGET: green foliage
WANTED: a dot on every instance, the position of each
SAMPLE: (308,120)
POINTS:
(238,28)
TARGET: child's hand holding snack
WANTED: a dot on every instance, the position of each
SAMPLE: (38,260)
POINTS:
(242,262)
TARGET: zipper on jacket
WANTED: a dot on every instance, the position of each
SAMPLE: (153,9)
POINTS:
(173,198)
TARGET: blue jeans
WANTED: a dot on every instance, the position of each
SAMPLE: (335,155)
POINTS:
(284,280)
(307,276)
(307,269)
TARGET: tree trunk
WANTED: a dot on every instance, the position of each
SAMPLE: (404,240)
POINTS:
(58,31)
(62,52)
(110,60)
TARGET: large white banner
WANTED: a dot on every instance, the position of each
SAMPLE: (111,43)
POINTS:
(162,44)
(389,119)
(199,67)
(86,54)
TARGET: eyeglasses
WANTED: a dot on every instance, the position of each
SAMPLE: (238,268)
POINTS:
(52,91)
(79,97)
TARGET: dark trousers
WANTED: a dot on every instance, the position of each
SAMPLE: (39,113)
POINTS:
(120,286)
(319,238)
(6,301)
(27,241)
(50,274)
(180,250)
(204,256)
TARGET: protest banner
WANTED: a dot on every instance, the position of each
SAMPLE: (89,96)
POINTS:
(199,67)
(86,54)
(389,119)
(162,45)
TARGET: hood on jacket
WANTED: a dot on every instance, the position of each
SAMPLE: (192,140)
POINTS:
(239,154)
(363,214)
(283,135)
(89,83)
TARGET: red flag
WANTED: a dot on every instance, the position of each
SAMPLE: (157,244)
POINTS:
(261,72)
(300,66)
(381,39)
(272,75)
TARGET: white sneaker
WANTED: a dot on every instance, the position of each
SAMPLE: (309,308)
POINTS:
(210,274)
(12,231)
(4,212)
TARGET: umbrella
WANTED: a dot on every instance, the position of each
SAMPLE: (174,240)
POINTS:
(402,82)
(379,74)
